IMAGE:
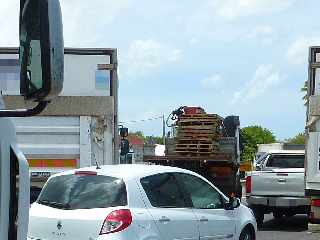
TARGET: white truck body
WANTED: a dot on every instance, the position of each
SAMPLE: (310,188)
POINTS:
(78,128)
(312,179)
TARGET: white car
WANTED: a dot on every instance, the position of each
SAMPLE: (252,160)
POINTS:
(136,202)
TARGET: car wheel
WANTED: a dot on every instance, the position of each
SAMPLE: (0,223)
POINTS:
(246,234)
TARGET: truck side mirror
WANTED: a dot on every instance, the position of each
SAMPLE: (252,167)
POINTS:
(41,55)
(41,49)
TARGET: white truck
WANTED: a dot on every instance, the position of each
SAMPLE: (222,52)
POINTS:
(79,127)
(312,178)
(277,185)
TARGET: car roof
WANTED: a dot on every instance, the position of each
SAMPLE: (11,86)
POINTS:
(127,171)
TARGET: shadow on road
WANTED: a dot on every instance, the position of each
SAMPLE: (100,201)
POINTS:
(297,223)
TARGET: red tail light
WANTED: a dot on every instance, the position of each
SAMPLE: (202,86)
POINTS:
(248,184)
(116,221)
(315,202)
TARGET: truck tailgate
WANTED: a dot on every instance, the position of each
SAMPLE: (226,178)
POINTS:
(278,182)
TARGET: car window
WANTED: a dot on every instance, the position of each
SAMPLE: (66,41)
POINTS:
(202,194)
(83,192)
(285,161)
(163,191)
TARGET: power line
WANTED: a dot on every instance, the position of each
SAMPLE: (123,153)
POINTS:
(142,120)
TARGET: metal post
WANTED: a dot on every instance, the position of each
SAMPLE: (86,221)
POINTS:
(163,130)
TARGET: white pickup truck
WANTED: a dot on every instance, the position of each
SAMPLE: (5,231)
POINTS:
(277,185)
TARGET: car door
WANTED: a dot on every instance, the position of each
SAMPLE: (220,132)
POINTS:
(214,221)
(165,201)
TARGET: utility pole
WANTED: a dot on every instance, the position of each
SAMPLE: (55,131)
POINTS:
(163,130)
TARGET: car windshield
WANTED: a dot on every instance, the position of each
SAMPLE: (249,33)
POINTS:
(83,192)
(286,161)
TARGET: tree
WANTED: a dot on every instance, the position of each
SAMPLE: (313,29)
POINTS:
(252,136)
(154,140)
(298,139)
(147,139)
(137,133)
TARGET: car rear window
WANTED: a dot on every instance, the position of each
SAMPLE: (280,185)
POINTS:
(286,161)
(83,192)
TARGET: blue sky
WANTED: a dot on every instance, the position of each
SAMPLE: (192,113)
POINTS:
(244,57)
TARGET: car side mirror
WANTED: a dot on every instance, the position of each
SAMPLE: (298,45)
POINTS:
(232,203)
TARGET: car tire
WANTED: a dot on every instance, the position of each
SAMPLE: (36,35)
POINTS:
(246,234)
(259,215)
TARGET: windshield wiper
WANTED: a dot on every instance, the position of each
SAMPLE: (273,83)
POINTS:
(55,204)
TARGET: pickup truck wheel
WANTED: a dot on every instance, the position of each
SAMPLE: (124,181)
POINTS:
(259,215)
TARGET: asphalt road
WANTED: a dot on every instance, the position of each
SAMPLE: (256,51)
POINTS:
(294,228)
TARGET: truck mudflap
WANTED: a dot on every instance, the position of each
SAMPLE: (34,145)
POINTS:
(278,201)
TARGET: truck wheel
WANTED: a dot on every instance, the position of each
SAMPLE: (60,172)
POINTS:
(277,214)
(289,214)
(259,215)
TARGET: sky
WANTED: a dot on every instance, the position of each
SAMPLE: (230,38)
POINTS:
(231,57)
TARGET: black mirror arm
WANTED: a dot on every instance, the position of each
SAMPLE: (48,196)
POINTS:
(24,112)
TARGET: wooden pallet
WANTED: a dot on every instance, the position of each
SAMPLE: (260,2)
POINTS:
(197,123)
(207,138)
(195,145)
(206,116)
(195,141)
(198,127)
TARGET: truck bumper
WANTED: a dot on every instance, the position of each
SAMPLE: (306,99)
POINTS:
(285,202)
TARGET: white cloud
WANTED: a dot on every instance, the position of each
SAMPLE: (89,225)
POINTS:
(297,52)
(264,79)
(233,9)
(144,56)
(264,34)
(212,81)
(261,31)
(193,41)
(85,23)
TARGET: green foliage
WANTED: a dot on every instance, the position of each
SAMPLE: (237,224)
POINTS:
(153,140)
(254,135)
(148,139)
(298,139)
(137,133)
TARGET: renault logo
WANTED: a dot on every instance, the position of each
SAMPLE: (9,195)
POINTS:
(59,225)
